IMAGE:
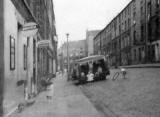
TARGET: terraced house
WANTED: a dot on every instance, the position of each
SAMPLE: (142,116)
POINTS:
(28,49)
(132,37)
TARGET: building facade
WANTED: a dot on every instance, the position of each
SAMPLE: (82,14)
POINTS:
(26,57)
(89,41)
(46,58)
(132,37)
(18,54)
(1,56)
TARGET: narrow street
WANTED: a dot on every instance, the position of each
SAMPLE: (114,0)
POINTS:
(68,101)
(91,42)
(136,96)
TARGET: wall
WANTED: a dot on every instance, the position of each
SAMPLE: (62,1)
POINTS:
(10,28)
(15,94)
(90,41)
(1,55)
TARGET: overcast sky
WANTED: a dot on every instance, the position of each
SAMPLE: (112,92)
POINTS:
(76,16)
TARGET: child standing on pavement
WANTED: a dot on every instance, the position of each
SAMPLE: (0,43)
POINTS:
(50,90)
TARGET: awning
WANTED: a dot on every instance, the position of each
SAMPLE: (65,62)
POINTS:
(43,43)
(29,29)
(47,45)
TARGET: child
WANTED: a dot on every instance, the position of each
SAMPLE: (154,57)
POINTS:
(50,90)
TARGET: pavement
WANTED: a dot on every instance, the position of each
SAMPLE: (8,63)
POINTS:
(136,96)
(155,65)
(67,101)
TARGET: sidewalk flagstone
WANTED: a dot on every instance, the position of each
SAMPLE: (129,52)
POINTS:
(67,101)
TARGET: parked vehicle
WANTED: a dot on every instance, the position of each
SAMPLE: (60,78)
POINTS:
(90,69)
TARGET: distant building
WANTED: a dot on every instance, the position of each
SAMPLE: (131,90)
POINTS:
(76,51)
(76,48)
(89,41)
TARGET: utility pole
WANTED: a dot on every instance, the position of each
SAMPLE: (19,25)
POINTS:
(67,57)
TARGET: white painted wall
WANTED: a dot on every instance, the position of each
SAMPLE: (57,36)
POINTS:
(14,94)
(10,28)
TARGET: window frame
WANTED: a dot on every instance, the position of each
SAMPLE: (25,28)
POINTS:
(12,53)
(25,56)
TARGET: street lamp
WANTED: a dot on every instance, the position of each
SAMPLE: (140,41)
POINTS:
(67,57)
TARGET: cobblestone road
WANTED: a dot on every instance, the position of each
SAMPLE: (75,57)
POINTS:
(136,96)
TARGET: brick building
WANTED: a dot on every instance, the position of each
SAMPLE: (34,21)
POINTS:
(132,37)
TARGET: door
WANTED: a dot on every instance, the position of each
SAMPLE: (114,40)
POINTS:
(34,68)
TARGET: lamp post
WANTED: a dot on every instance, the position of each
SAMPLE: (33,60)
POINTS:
(67,57)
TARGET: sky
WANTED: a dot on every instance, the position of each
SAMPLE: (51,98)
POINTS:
(77,16)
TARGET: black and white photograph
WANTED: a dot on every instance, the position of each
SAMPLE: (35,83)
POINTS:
(79,58)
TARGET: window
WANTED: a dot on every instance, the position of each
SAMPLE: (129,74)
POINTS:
(134,35)
(122,43)
(127,41)
(134,18)
(134,15)
(142,32)
(129,23)
(135,58)
(157,3)
(45,1)
(28,41)
(119,29)
(122,27)
(34,50)
(157,27)
(149,10)
(128,10)
(125,25)
(25,56)
(139,54)
(12,53)
(141,10)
